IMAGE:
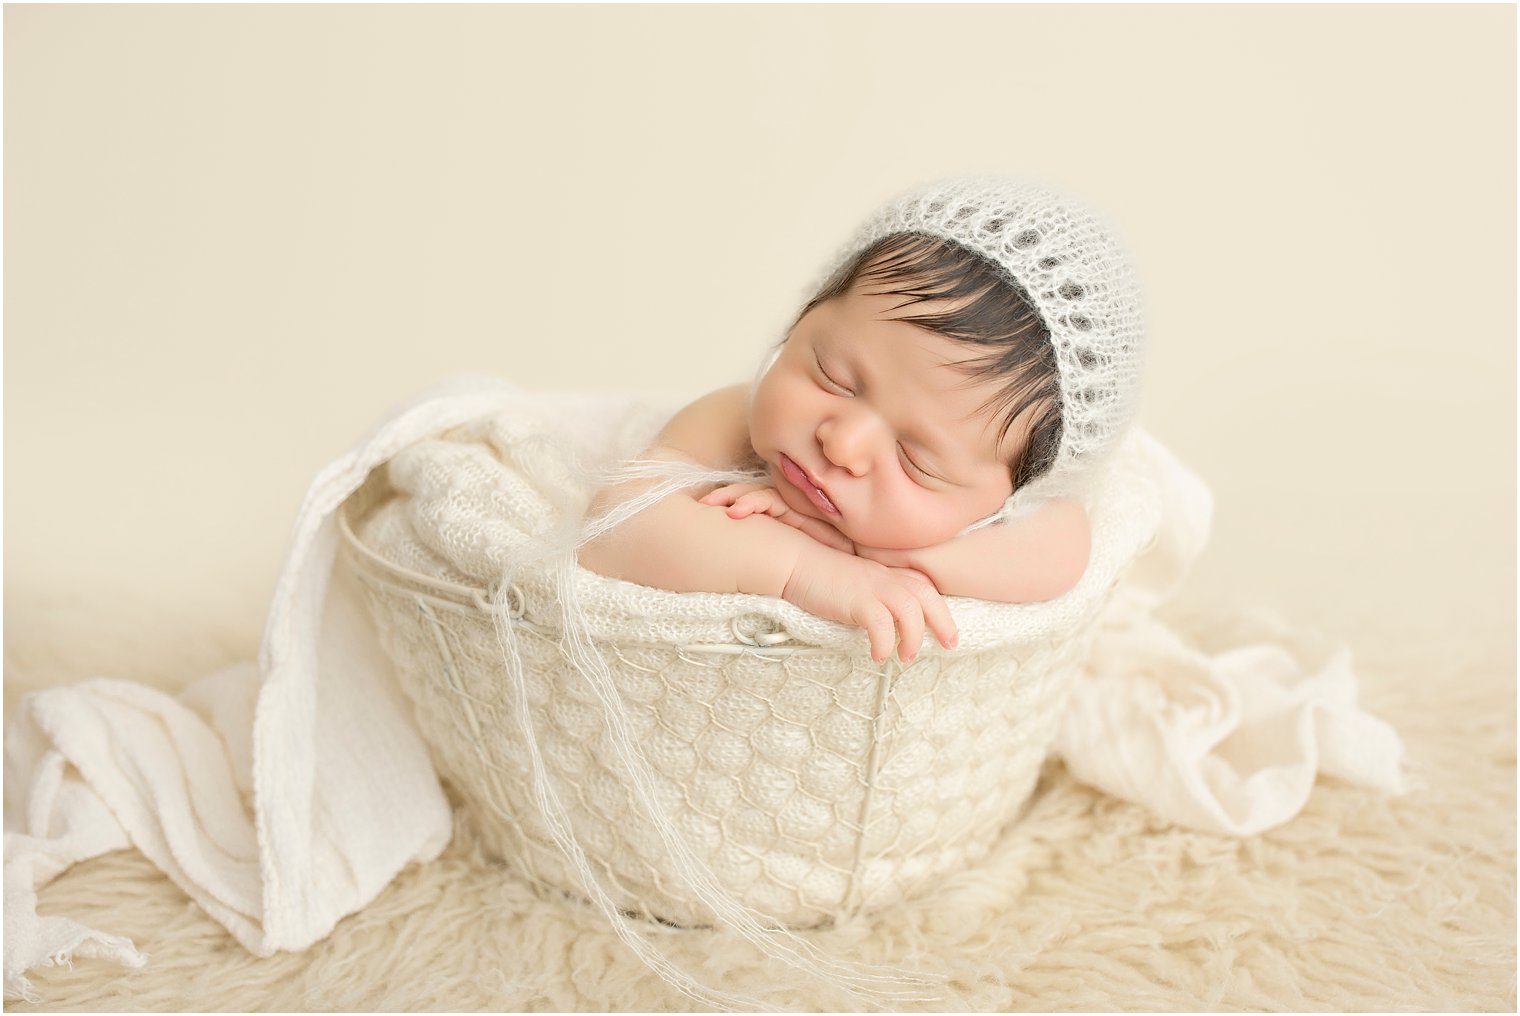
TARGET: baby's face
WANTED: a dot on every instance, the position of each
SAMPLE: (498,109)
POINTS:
(865,424)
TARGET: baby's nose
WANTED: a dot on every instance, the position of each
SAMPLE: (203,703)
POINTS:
(849,441)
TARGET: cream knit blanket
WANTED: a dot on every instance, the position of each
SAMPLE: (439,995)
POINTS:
(268,791)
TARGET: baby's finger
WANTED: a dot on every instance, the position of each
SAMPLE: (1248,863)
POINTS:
(727,494)
(910,624)
(749,504)
(761,501)
(936,610)
(879,628)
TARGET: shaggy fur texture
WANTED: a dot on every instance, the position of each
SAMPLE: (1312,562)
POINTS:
(1361,903)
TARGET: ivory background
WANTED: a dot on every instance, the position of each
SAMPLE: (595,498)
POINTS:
(235,236)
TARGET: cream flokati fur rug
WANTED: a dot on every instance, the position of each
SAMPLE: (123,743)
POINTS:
(1362,902)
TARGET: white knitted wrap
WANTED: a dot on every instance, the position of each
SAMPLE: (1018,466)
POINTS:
(1071,266)
(699,757)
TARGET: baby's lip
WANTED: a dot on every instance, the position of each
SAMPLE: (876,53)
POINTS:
(803,481)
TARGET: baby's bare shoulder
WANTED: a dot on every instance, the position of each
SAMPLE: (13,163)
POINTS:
(713,430)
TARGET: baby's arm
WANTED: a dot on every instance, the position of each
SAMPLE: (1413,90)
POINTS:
(683,545)
(1039,556)
(745,499)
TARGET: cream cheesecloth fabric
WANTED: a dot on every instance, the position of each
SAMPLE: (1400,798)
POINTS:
(268,791)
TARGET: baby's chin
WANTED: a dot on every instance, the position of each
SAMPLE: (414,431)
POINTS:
(904,538)
(882,537)
(898,544)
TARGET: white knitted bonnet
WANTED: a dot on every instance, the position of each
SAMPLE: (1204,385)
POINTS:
(1077,277)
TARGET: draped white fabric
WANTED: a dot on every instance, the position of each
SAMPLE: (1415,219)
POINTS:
(285,795)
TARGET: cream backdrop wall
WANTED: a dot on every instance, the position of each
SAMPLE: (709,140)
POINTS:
(235,235)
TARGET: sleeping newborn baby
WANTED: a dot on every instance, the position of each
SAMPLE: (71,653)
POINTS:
(924,429)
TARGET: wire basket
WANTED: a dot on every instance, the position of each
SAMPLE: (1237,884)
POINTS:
(811,781)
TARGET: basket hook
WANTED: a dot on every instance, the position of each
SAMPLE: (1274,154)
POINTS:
(758,639)
(516,607)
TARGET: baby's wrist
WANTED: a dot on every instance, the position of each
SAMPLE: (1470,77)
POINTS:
(890,558)
(804,557)
(812,561)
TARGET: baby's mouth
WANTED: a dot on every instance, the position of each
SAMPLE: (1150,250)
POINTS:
(798,477)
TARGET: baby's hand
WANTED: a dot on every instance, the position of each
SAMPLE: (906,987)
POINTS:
(886,602)
(746,499)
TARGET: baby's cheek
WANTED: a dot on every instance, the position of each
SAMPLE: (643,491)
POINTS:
(902,528)
(934,519)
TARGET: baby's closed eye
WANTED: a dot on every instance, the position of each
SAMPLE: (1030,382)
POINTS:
(917,470)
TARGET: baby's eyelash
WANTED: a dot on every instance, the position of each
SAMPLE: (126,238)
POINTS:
(909,460)
(829,379)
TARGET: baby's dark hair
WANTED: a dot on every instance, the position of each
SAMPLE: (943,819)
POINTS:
(989,309)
